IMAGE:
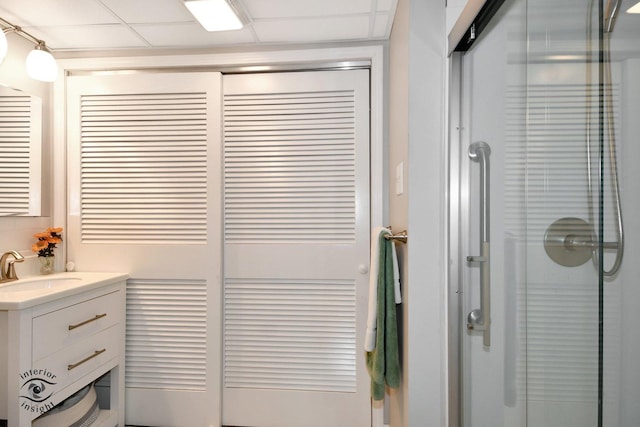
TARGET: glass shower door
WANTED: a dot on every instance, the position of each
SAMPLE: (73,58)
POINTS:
(558,109)
(490,223)
(582,293)
(563,215)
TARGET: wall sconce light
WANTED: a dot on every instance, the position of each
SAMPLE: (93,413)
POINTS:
(217,15)
(41,65)
(4,45)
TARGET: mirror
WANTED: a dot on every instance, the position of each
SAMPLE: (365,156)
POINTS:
(20,153)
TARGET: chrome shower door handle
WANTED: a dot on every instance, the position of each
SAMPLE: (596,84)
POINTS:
(480,319)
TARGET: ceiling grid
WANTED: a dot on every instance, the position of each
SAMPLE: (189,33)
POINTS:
(84,25)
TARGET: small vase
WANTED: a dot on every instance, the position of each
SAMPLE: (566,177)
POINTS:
(46,264)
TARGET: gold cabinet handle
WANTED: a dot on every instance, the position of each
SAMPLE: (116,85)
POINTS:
(86,359)
(93,319)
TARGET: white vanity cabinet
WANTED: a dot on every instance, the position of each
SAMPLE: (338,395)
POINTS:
(55,344)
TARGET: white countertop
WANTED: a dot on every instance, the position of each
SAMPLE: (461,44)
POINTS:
(31,291)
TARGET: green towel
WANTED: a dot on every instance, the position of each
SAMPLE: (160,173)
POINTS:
(383,362)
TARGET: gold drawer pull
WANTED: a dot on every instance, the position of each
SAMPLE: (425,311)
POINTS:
(93,319)
(86,359)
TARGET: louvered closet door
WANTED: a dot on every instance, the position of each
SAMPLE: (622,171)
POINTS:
(144,198)
(296,206)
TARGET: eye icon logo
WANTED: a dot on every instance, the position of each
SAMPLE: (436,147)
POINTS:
(38,385)
(37,389)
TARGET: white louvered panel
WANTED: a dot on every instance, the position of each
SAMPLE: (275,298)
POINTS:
(290,334)
(15,152)
(289,167)
(143,160)
(166,334)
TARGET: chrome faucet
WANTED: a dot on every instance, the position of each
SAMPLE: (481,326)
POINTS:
(8,268)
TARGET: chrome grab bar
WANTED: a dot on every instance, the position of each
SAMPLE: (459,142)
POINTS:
(480,318)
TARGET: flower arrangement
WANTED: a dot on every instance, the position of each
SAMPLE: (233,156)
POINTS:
(47,241)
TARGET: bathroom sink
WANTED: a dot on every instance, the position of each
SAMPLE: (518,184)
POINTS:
(31,291)
(43,283)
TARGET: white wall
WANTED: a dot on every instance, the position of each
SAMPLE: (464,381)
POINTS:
(453,12)
(399,204)
(417,93)
(16,233)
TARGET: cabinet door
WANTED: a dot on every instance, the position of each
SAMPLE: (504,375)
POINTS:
(144,191)
(296,231)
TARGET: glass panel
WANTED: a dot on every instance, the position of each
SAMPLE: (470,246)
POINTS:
(493,111)
(553,87)
(562,286)
(621,381)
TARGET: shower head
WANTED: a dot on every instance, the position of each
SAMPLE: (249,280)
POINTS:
(611,13)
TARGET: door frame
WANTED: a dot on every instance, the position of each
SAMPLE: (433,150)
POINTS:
(455,209)
(295,59)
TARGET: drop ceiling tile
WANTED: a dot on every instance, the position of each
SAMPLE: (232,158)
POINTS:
(312,30)
(386,5)
(114,36)
(59,12)
(261,9)
(190,35)
(149,11)
(382,26)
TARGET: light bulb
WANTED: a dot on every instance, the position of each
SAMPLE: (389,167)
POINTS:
(41,65)
(4,45)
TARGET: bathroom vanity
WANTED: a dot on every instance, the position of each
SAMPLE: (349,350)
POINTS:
(58,334)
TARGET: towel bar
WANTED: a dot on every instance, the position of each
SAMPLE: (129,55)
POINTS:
(398,237)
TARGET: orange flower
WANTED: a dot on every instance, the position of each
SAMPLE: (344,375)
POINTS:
(47,241)
(39,245)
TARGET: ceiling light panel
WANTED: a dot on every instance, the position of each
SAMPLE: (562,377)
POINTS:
(634,9)
(214,15)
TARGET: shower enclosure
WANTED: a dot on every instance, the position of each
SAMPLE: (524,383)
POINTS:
(544,234)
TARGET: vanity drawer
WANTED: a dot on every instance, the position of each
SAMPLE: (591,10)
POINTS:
(82,358)
(63,328)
